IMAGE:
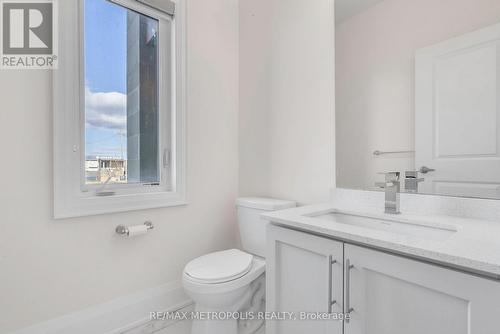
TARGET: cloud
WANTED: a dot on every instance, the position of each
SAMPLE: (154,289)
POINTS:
(106,110)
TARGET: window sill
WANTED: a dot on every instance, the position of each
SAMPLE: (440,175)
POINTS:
(76,206)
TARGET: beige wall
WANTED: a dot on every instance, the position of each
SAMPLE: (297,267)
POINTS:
(49,268)
(287,99)
(375,78)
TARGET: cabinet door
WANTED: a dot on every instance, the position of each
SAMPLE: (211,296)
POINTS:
(304,274)
(393,295)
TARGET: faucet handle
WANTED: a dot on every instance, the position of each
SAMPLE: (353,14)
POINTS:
(391,180)
(391,176)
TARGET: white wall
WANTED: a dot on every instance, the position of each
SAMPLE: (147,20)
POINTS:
(375,78)
(49,268)
(287,99)
(347,8)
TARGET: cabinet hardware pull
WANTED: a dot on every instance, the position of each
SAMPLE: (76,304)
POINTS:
(348,307)
(331,302)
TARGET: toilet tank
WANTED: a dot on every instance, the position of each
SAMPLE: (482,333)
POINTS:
(252,227)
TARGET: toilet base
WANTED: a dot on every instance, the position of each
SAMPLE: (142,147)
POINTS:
(240,318)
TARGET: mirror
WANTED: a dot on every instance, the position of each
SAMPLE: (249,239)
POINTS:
(417,92)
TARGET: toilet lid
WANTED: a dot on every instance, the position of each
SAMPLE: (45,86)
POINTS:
(219,267)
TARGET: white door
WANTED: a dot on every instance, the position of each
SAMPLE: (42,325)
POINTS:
(457,118)
(304,274)
(394,295)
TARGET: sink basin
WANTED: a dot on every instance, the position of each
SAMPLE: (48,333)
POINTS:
(394,225)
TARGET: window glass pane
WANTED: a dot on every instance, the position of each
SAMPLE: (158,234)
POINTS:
(121,95)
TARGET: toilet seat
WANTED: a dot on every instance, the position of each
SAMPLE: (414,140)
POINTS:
(257,268)
(219,267)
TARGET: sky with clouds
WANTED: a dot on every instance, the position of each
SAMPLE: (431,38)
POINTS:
(105,79)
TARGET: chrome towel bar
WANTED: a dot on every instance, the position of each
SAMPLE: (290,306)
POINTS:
(379,153)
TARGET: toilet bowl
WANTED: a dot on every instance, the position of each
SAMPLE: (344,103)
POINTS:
(228,287)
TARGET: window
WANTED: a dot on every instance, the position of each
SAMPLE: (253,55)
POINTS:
(119,106)
(121,94)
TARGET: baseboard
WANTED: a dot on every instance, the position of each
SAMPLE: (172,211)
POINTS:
(123,315)
(165,326)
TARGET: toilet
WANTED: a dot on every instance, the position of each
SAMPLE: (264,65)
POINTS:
(229,286)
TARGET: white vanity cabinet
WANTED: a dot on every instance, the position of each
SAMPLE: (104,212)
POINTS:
(388,294)
(304,274)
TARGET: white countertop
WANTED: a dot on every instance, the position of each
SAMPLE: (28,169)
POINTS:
(474,247)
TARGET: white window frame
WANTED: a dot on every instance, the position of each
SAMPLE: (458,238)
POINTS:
(72,197)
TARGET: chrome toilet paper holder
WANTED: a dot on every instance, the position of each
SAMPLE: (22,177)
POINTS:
(123,230)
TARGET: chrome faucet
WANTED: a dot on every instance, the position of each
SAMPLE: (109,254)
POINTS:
(392,187)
